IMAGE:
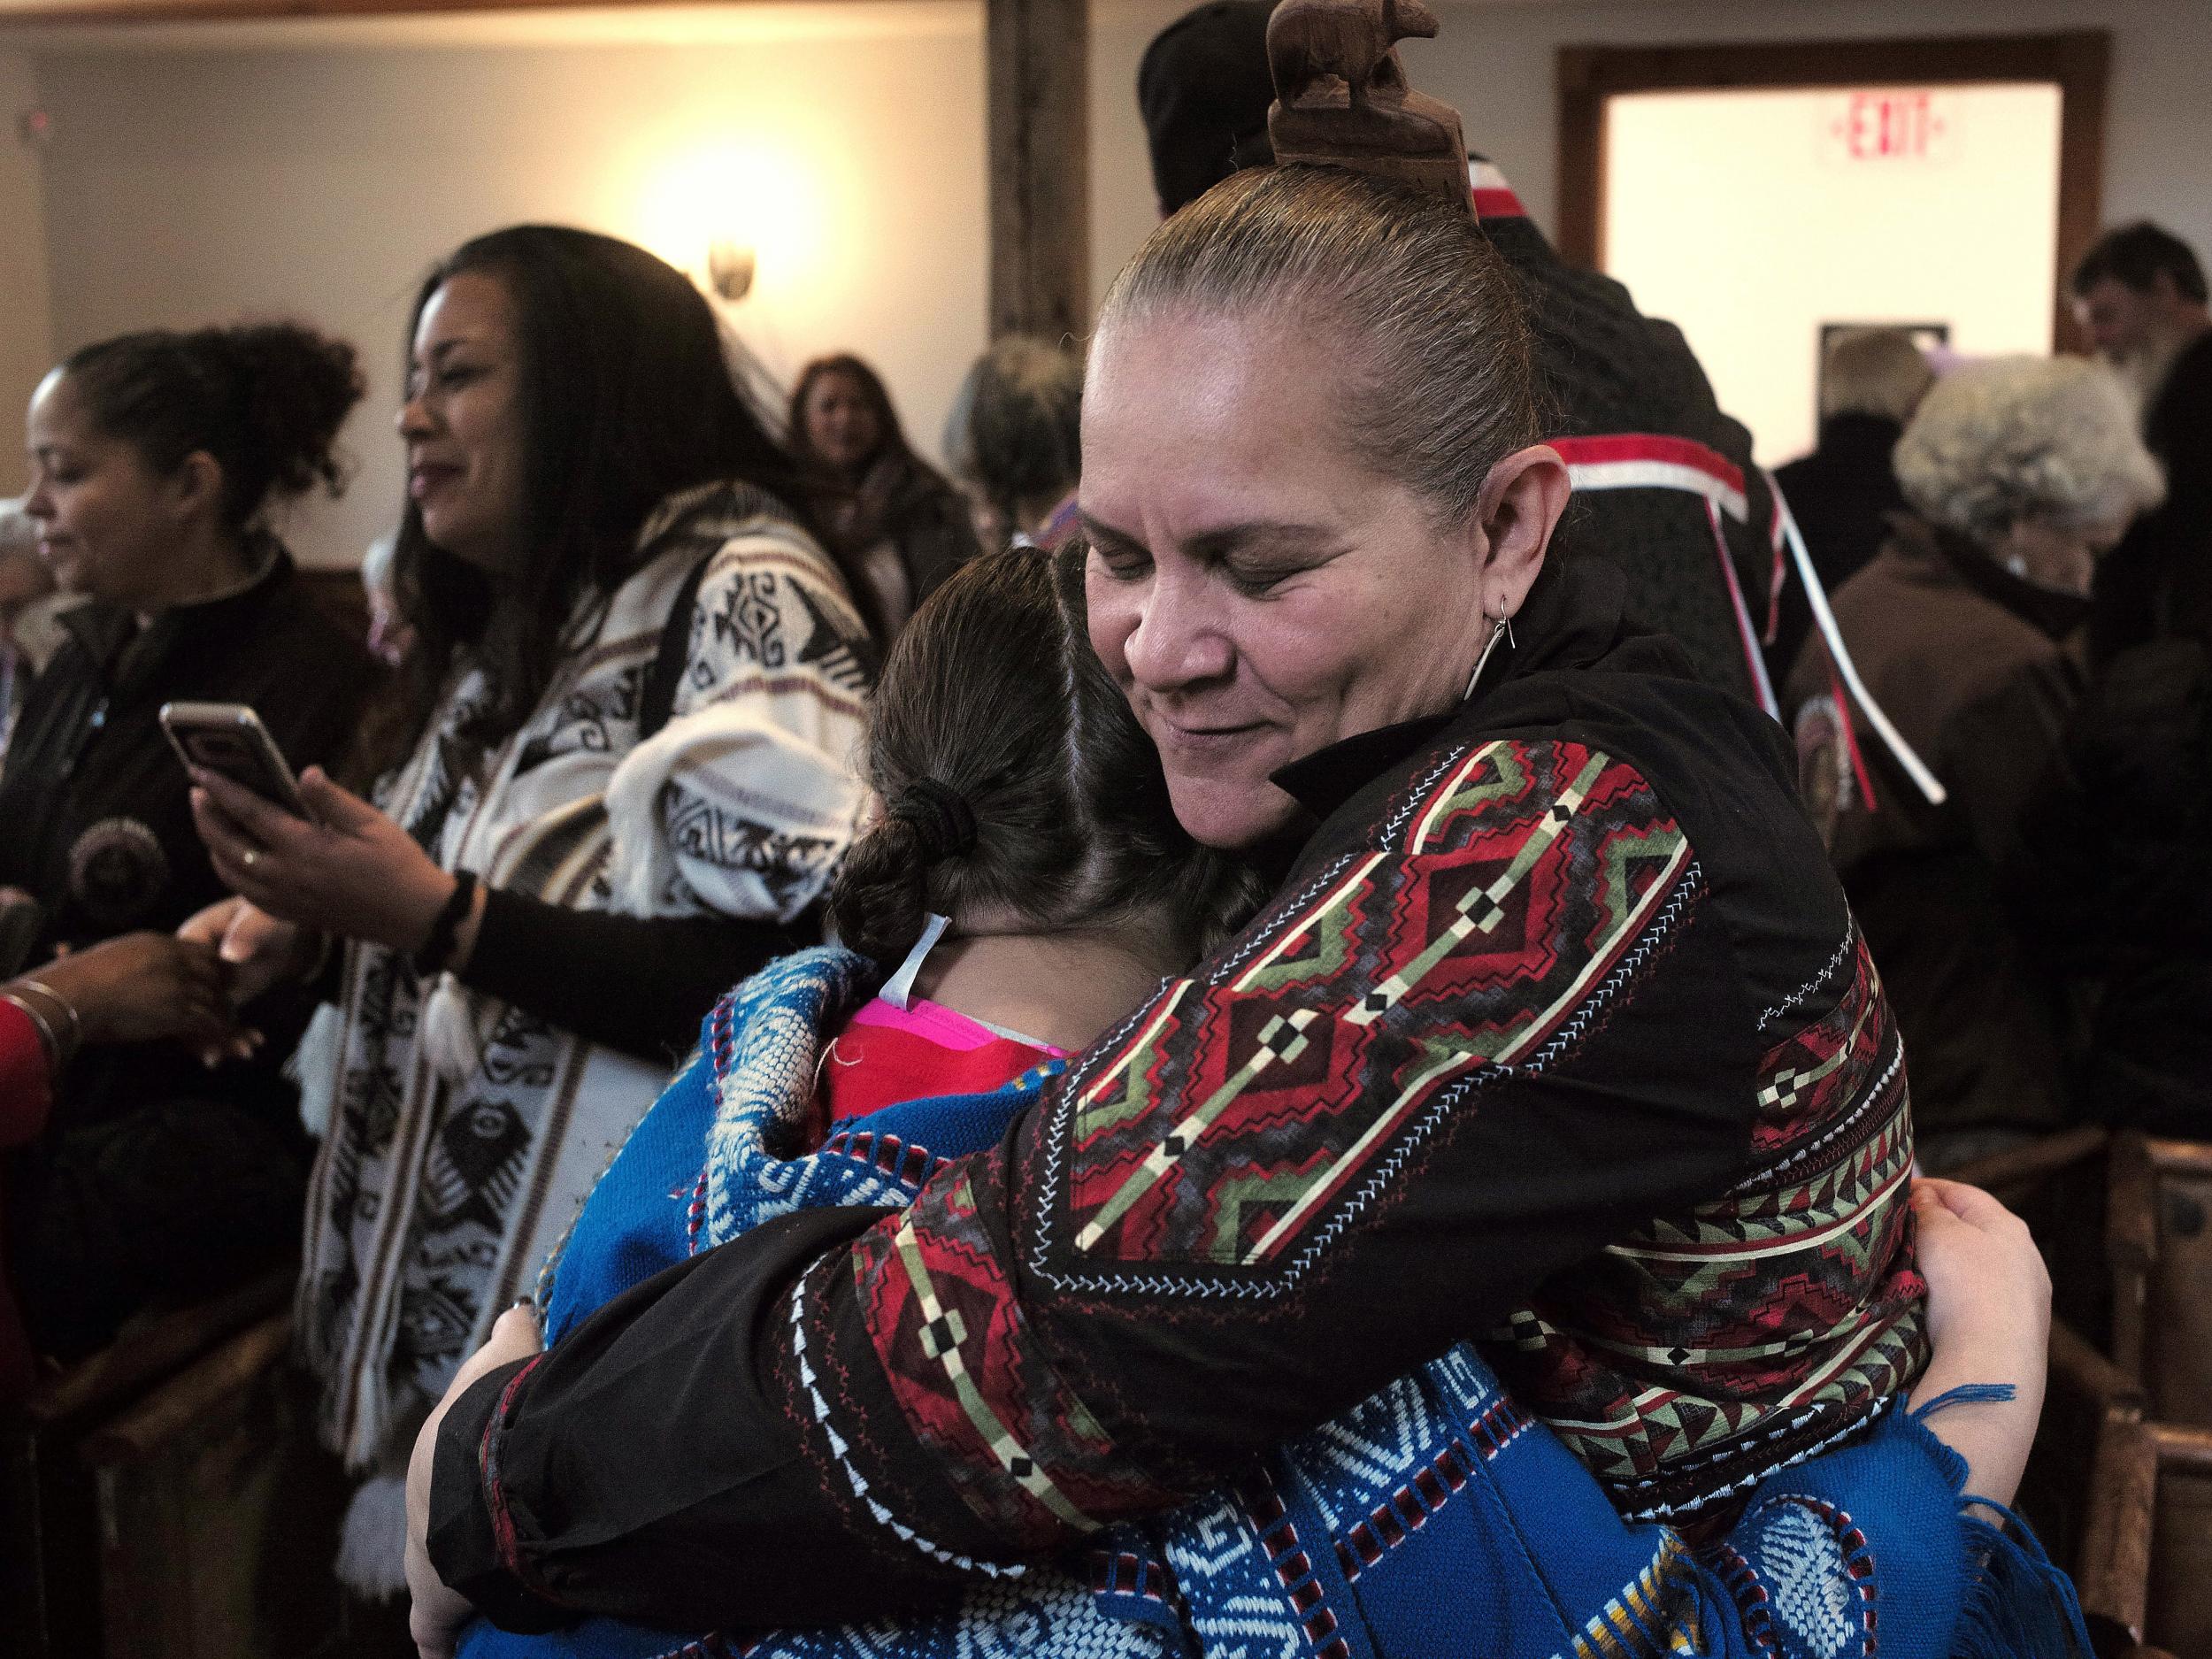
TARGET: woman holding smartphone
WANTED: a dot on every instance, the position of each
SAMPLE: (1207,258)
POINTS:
(618,776)
(156,461)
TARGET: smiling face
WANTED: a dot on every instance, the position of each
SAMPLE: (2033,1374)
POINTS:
(464,423)
(1257,591)
(840,422)
(108,525)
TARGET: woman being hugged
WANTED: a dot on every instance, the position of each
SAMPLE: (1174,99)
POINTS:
(632,695)
(158,461)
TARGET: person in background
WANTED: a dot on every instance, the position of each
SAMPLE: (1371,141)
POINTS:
(621,776)
(156,460)
(30,604)
(2113,839)
(2139,295)
(139,987)
(388,636)
(1015,440)
(1843,493)
(895,526)
(1620,390)
(2019,471)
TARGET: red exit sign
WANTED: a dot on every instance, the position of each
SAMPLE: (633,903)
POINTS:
(1889,126)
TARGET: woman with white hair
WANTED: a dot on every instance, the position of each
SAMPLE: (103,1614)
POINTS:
(2020,472)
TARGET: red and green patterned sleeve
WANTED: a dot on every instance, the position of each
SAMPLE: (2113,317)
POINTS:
(1462,1055)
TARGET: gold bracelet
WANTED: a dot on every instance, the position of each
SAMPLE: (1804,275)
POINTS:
(76,1024)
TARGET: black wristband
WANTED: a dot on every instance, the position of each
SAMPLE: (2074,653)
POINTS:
(432,958)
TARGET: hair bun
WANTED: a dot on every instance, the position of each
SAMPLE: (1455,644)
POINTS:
(942,820)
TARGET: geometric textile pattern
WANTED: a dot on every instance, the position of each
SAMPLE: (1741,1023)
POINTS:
(1043,1614)
(1299,1079)
(1431,1508)
(463,1130)
(1248,1118)
(766,1040)
(1710,1347)
(1803,1579)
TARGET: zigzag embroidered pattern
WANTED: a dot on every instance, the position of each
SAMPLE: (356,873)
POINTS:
(1795,1287)
(1248,1117)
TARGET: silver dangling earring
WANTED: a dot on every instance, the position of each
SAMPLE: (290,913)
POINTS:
(1501,628)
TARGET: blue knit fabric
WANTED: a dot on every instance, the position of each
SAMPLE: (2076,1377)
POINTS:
(1433,1518)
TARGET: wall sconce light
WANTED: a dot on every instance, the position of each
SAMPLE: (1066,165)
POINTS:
(730,270)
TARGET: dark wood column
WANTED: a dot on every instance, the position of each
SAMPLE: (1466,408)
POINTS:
(1037,59)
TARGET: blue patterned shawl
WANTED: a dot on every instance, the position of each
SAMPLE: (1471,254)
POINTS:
(1434,1517)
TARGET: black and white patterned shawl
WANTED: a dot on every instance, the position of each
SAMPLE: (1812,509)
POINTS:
(459,1132)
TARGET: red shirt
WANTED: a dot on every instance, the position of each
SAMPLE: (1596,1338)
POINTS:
(23,1102)
(889,1055)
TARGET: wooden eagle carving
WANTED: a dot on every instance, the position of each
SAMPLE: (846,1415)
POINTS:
(1341,98)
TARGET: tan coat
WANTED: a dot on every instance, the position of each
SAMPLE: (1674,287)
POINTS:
(1974,666)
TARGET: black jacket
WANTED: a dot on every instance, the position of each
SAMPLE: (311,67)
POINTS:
(1841,496)
(2158,581)
(2116,843)
(1563,969)
(95,819)
(1605,369)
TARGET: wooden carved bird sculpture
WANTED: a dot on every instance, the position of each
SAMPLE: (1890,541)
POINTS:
(1341,98)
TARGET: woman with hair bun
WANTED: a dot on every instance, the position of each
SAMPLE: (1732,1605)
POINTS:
(157,460)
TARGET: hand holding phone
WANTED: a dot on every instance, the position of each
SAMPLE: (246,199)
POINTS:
(228,738)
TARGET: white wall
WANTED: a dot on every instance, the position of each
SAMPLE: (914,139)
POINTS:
(315,168)
(1960,229)
(1495,63)
(27,335)
(196,185)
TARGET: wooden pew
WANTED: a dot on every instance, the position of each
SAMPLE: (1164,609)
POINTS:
(2145,1551)
(2145,1560)
(165,1497)
(2159,1243)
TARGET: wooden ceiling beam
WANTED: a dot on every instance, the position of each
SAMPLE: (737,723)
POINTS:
(125,11)
(1037,61)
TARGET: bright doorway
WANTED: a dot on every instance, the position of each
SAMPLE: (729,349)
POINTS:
(1761,200)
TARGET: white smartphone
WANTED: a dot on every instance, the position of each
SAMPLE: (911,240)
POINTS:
(229,737)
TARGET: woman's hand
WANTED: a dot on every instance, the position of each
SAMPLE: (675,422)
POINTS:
(142,987)
(1989,1321)
(439,1613)
(353,871)
(260,951)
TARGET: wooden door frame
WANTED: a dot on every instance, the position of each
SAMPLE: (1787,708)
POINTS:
(2079,60)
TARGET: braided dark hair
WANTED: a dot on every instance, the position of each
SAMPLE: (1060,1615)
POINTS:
(991,691)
